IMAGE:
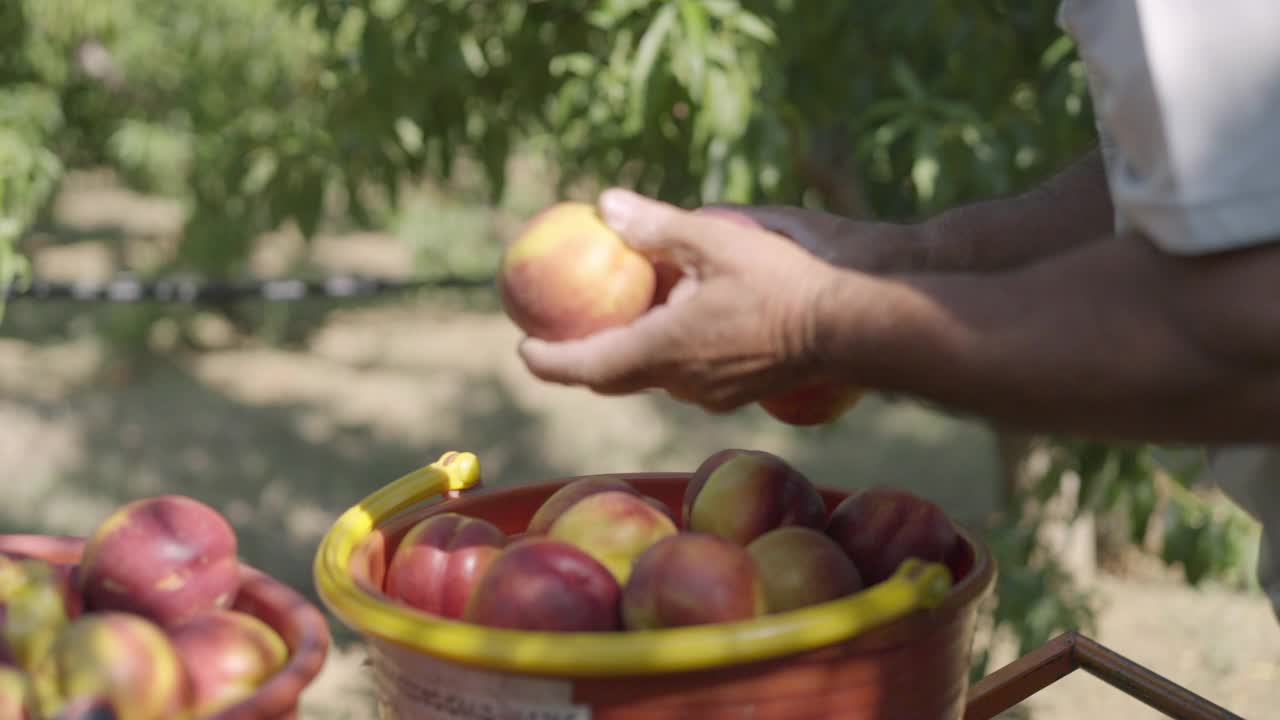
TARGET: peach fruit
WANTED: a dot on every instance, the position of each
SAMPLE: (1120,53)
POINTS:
(568,275)
(741,494)
(880,527)
(692,579)
(539,583)
(437,564)
(15,695)
(613,527)
(167,558)
(800,566)
(568,494)
(814,403)
(89,707)
(227,655)
(122,658)
(34,615)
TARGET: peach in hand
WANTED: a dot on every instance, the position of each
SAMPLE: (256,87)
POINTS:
(568,275)
(815,403)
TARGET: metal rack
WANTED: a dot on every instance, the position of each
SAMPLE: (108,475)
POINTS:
(1022,678)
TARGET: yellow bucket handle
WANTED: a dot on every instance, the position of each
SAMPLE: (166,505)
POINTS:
(916,585)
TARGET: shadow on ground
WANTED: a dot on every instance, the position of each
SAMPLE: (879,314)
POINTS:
(278,475)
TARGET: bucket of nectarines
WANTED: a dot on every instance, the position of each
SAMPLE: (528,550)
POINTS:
(151,616)
(739,589)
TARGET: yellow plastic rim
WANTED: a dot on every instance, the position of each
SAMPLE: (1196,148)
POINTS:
(914,586)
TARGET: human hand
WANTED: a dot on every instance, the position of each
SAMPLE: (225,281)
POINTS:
(737,326)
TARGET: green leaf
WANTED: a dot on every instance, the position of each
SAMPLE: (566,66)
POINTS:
(611,13)
(714,179)
(925,169)
(740,183)
(733,106)
(575,63)
(642,64)
(409,134)
(262,169)
(1057,52)
(724,10)
(906,79)
(694,24)
(1179,543)
(755,27)
(883,110)
(473,54)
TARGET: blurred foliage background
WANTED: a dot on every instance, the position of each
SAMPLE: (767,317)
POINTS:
(263,114)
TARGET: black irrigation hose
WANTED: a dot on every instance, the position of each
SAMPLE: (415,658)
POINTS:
(196,291)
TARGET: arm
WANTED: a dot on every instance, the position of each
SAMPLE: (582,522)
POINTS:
(1071,208)
(1111,339)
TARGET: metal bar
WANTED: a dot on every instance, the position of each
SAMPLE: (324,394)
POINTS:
(1021,678)
(1148,687)
(1061,656)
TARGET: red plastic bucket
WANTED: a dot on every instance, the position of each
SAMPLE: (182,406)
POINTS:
(860,658)
(301,625)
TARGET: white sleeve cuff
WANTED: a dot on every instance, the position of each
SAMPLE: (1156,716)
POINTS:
(1186,94)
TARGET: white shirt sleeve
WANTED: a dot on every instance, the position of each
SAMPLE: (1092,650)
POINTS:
(1187,98)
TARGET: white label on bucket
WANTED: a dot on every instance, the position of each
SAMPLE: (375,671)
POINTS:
(412,686)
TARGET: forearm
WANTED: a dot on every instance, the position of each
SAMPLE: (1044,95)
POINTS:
(1110,340)
(1072,208)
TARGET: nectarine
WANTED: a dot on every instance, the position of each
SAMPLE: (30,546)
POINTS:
(538,583)
(120,657)
(815,403)
(16,700)
(437,564)
(800,566)
(741,494)
(613,527)
(34,615)
(167,558)
(227,655)
(568,275)
(880,527)
(692,579)
(568,494)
